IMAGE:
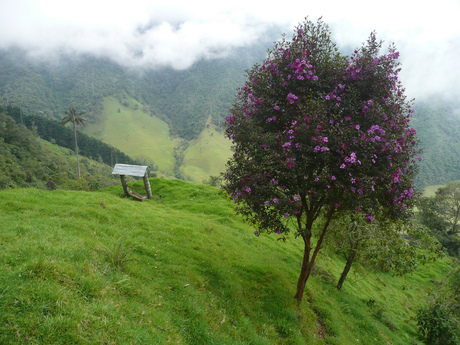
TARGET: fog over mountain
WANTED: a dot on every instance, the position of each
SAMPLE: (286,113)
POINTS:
(152,34)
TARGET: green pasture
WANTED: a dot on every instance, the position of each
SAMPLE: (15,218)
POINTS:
(206,156)
(135,132)
(181,268)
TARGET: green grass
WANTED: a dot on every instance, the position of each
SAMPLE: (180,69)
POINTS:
(206,156)
(430,191)
(136,133)
(147,138)
(193,273)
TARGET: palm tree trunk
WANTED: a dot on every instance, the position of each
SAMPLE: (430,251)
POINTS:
(76,149)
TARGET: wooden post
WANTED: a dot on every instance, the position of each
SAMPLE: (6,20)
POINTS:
(147,186)
(124,184)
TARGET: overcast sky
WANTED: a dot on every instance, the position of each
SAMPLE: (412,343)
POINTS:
(173,33)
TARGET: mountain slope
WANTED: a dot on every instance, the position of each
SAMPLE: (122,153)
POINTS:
(140,134)
(438,125)
(185,101)
(28,161)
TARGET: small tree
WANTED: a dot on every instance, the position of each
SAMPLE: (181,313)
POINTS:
(315,132)
(447,206)
(77,120)
(441,214)
(386,246)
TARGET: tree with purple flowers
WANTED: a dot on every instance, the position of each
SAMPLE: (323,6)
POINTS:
(315,133)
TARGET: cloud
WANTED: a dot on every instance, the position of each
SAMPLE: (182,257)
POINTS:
(177,33)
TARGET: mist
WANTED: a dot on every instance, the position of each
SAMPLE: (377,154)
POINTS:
(155,34)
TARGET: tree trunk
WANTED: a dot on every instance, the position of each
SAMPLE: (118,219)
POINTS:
(304,271)
(308,263)
(347,268)
(76,149)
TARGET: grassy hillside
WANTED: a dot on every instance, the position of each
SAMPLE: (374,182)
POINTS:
(141,135)
(26,160)
(196,275)
(206,156)
(147,138)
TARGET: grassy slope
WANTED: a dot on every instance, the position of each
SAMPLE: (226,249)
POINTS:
(431,190)
(136,133)
(200,276)
(206,156)
(147,138)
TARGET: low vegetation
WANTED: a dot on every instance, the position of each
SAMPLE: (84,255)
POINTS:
(181,268)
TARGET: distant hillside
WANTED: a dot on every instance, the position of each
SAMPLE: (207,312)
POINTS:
(26,160)
(183,103)
(438,126)
(184,99)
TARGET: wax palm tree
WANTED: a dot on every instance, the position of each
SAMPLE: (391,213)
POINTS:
(77,120)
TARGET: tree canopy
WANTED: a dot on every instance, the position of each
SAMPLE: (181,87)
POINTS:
(441,213)
(315,132)
(77,120)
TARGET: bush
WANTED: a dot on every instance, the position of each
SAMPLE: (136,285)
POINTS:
(438,323)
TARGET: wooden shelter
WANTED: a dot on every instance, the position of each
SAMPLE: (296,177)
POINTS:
(137,171)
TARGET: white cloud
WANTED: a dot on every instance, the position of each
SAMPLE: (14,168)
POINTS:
(178,33)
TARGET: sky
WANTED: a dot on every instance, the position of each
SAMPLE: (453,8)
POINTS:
(177,33)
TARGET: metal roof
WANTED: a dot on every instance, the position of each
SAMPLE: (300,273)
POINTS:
(131,170)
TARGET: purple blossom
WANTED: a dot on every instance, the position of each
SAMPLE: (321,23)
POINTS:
(296,197)
(256,233)
(275,200)
(369,218)
(286,215)
(266,203)
(276,107)
(292,98)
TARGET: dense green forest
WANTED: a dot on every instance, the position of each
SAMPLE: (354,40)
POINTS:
(438,124)
(185,100)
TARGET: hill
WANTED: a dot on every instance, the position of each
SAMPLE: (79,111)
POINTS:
(26,160)
(78,267)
